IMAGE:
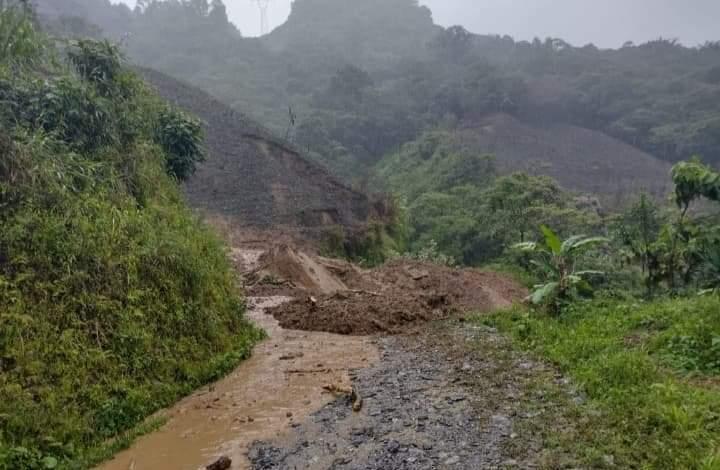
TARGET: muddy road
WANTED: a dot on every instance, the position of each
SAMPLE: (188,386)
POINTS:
(428,398)
(280,385)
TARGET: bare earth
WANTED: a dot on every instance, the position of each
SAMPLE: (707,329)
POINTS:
(316,399)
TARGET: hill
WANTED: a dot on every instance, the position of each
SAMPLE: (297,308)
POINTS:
(254,178)
(580,159)
(660,96)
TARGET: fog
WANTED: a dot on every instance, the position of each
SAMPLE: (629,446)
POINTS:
(606,24)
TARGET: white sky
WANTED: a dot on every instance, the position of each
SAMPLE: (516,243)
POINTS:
(606,23)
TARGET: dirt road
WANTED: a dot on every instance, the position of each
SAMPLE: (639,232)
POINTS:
(427,399)
(452,397)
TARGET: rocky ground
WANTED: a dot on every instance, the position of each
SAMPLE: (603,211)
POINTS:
(452,397)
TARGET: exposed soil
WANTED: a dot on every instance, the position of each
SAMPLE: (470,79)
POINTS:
(580,159)
(408,410)
(257,180)
(390,299)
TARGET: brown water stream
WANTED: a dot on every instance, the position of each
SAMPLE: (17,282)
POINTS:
(281,384)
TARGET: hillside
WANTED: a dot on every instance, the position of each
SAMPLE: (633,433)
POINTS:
(115,299)
(255,179)
(660,96)
(579,159)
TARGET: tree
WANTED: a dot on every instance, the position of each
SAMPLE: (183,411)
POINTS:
(218,13)
(638,230)
(453,43)
(20,43)
(347,87)
(693,181)
(558,261)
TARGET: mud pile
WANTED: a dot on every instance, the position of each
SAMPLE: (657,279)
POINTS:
(284,265)
(337,297)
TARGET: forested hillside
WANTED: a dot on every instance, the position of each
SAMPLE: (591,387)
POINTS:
(360,82)
(114,299)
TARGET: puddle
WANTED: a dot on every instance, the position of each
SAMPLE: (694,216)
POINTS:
(260,400)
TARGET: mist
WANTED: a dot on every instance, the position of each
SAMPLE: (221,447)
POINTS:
(605,24)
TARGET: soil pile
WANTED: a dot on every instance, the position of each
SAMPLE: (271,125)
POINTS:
(284,265)
(389,299)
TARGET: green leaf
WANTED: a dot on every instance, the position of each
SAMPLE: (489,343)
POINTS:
(542,292)
(588,242)
(49,462)
(570,242)
(589,273)
(551,239)
(527,246)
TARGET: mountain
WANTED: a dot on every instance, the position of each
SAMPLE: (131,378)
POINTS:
(363,78)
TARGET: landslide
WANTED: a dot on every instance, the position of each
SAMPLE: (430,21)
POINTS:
(338,297)
(255,179)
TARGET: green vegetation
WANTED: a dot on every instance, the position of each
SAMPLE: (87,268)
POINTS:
(114,299)
(648,371)
(648,366)
(557,262)
(456,200)
(133,298)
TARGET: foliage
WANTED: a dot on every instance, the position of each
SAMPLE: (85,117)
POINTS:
(98,62)
(711,266)
(181,137)
(638,231)
(693,181)
(674,248)
(628,358)
(422,73)
(430,254)
(456,199)
(20,44)
(557,261)
(114,299)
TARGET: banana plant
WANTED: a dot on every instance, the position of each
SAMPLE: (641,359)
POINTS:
(557,260)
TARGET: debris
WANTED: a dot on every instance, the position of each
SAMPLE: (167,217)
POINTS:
(357,401)
(223,463)
(290,356)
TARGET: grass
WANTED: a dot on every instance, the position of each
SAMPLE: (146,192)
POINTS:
(648,370)
(115,300)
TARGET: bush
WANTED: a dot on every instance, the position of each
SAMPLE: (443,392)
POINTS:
(114,299)
(181,137)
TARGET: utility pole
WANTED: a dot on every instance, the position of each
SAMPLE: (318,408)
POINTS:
(264,22)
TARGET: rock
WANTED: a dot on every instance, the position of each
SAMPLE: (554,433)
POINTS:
(223,463)
(452,460)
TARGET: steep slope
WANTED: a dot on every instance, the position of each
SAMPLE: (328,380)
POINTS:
(255,179)
(580,159)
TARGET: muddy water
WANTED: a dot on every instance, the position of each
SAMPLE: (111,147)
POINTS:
(280,385)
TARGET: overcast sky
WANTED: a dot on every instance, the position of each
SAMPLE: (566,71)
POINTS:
(606,23)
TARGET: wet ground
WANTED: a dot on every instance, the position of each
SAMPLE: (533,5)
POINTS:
(448,395)
(434,401)
(279,386)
